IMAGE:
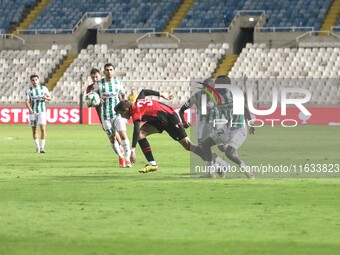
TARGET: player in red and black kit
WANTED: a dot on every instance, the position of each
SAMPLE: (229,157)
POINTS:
(157,117)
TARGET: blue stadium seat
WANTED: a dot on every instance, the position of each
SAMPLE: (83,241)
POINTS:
(11,12)
(125,14)
(280,13)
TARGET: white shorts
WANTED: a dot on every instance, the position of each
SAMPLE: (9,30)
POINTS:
(36,119)
(234,137)
(112,125)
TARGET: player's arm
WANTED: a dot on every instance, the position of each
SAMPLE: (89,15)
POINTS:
(121,97)
(89,88)
(184,107)
(209,113)
(28,105)
(96,88)
(149,92)
(248,117)
(47,95)
(121,92)
(135,136)
(99,110)
(190,102)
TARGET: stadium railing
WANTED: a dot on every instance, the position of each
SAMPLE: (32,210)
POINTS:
(126,30)
(335,29)
(105,15)
(260,14)
(283,29)
(333,43)
(167,34)
(11,36)
(200,30)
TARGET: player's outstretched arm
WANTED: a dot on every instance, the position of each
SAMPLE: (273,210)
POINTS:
(184,107)
(248,118)
(149,92)
(166,95)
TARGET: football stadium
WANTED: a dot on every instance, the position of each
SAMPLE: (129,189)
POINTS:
(169,127)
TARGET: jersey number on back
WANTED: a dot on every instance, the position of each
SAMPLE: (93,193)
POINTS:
(141,102)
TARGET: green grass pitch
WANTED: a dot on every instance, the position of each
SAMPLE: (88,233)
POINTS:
(75,200)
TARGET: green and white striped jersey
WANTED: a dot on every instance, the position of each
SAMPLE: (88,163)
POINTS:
(225,110)
(109,92)
(196,99)
(34,96)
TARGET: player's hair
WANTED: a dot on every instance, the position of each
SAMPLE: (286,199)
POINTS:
(94,71)
(34,76)
(122,105)
(222,79)
(108,65)
(209,81)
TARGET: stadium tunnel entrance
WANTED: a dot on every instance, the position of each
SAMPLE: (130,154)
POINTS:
(91,37)
(245,36)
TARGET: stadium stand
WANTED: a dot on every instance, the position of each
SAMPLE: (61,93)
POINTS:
(154,68)
(281,13)
(17,66)
(211,13)
(11,12)
(258,61)
(166,68)
(318,69)
(62,14)
(146,14)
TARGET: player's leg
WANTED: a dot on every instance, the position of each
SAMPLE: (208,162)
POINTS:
(237,138)
(208,157)
(42,138)
(36,138)
(178,133)
(199,130)
(146,130)
(232,154)
(120,126)
(189,146)
(33,124)
(120,142)
(217,137)
(42,124)
(111,134)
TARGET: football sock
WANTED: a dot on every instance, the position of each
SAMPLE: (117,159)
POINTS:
(127,150)
(36,141)
(153,163)
(42,143)
(116,147)
(145,146)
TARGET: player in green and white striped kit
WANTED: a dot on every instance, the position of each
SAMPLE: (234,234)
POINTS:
(232,132)
(36,95)
(202,126)
(111,91)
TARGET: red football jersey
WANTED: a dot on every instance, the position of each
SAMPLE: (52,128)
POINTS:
(146,109)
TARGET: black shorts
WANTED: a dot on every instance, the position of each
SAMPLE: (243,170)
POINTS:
(171,124)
